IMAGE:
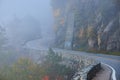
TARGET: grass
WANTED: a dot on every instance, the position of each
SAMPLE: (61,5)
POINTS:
(104,52)
(100,52)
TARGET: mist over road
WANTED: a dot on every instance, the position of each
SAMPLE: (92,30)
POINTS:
(113,61)
(46,41)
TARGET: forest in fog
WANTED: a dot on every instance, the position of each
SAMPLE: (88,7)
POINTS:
(58,39)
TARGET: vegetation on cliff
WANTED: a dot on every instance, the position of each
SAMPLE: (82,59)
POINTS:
(96,24)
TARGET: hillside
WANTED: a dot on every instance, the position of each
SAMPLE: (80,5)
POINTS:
(87,24)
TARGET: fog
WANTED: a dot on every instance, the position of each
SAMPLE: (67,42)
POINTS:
(27,22)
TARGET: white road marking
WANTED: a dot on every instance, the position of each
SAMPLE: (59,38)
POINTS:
(113,71)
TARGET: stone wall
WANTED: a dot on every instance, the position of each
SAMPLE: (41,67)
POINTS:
(87,73)
(85,66)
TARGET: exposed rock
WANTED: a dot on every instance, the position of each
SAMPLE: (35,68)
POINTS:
(69,31)
(92,42)
(96,24)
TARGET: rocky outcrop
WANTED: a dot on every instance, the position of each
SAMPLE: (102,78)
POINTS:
(69,31)
(95,26)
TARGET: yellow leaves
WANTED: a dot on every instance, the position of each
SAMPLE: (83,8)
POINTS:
(24,69)
(30,76)
(20,61)
(24,64)
(61,23)
(24,61)
(57,12)
(32,67)
(15,68)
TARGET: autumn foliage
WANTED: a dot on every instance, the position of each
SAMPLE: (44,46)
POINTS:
(27,69)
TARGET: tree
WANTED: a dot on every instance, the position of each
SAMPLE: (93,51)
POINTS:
(26,69)
(53,57)
(54,68)
(21,31)
(23,69)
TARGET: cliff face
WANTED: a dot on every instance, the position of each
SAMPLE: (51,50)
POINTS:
(87,24)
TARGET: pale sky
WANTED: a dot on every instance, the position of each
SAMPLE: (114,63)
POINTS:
(40,9)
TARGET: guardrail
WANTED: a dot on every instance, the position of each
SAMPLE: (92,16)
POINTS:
(87,73)
(93,71)
(87,67)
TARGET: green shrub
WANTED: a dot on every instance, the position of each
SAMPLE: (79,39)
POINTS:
(26,69)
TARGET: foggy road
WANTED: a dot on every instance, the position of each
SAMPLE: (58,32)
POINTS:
(113,61)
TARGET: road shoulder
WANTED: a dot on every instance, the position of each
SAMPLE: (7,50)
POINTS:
(104,73)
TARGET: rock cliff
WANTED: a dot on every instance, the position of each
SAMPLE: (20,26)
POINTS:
(87,24)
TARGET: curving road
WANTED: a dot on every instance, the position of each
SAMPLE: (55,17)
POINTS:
(113,61)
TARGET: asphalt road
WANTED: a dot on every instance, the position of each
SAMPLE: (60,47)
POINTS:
(113,61)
